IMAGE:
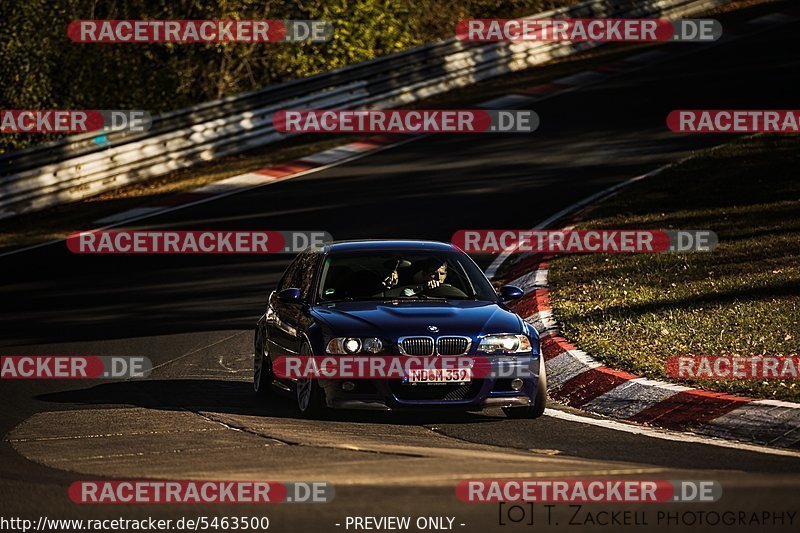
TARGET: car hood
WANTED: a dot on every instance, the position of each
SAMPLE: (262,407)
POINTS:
(390,320)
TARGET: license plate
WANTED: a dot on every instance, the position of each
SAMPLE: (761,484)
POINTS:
(439,375)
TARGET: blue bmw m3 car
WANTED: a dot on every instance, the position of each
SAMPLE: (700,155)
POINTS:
(397,298)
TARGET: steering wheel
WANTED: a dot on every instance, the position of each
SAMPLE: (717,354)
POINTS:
(444,290)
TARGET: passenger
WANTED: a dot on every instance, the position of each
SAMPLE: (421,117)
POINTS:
(393,278)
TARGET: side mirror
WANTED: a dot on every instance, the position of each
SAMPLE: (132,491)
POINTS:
(290,296)
(509,292)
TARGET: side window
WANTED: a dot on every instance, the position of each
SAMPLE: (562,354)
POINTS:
(307,263)
(289,276)
(300,273)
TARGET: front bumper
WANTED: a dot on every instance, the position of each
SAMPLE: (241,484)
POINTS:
(378,405)
(387,395)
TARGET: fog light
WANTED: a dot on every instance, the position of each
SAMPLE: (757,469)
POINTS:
(348,386)
(516,384)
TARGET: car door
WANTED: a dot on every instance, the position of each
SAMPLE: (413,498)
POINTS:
(293,318)
(280,333)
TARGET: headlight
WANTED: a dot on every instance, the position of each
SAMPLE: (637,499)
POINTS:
(504,343)
(352,345)
(372,345)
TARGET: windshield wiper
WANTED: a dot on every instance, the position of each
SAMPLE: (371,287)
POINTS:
(424,297)
(337,300)
(401,297)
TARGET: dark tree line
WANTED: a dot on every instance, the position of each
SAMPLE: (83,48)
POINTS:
(40,68)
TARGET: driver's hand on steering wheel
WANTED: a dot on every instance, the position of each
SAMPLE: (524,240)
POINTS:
(432,284)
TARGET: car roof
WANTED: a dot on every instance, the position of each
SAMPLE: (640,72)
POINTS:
(387,245)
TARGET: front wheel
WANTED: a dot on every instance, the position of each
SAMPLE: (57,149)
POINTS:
(310,396)
(537,409)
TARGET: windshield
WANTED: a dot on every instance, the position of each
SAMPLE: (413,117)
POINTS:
(402,275)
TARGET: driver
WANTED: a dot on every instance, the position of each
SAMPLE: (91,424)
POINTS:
(435,274)
(430,277)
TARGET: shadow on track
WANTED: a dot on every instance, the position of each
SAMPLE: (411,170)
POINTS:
(567,438)
(236,397)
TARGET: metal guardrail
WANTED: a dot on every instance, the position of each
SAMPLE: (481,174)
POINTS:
(76,167)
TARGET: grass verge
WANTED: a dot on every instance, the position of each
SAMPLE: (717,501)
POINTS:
(635,311)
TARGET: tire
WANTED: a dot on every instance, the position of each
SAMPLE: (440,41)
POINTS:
(310,396)
(262,366)
(540,402)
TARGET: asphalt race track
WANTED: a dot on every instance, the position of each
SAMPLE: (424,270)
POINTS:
(196,416)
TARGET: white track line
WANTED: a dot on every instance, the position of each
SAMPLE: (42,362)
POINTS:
(664,434)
